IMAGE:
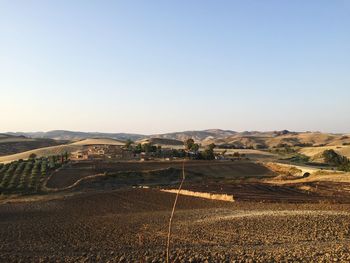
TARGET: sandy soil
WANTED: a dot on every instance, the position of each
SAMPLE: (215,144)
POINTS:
(96,141)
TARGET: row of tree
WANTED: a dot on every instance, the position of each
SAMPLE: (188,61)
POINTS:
(191,150)
(27,176)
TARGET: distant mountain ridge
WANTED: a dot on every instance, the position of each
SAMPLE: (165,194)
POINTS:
(227,138)
(11,144)
(198,136)
(77,135)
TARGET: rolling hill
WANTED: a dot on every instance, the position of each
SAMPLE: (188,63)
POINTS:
(198,136)
(315,153)
(277,139)
(223,138)
(162,142)
(59,149)
(99,141)
(10,144)
(76,135)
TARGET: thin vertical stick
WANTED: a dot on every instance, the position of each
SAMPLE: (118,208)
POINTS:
(173,212)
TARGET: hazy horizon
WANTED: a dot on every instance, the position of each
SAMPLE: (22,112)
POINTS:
(172,131)
(152,67)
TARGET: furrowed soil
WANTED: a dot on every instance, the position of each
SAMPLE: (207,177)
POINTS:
(239,169)
(131,226)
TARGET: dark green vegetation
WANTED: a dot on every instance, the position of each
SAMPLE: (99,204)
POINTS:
(191,146)
(298,158)
(146,147)
(331,157)
(191,151)
(284,150)
(27,176)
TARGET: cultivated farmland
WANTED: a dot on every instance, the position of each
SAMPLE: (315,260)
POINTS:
(27,177)
(131,226)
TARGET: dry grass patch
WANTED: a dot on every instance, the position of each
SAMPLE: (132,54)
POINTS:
(220,197)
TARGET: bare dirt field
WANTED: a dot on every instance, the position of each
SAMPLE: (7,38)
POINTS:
(99,212)
(238,169)
(131,226)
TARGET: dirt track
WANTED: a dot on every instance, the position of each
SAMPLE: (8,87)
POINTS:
(130,225)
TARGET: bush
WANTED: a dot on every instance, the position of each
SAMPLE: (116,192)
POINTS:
(331,157)
(26,171)
(16,175)
(32,156)
(300,158)
(306,175)
(8,174)
(33,182)
(208,153)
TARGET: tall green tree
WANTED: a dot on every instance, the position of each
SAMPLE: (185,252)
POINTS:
(189,144)
(128,144)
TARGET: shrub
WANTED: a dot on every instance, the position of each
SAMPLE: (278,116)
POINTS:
(17,172)
(331,157)
(8,174)
(306,175)
(300,158)
(26,171)
(32,156)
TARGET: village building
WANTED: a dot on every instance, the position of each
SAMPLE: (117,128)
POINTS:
(100,151)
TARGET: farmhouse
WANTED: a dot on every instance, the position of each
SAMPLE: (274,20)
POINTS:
(79,155)
(99,151)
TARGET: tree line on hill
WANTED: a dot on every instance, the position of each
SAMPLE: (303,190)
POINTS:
(191,150)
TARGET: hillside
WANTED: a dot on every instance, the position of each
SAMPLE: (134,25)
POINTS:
(46,151)
(227,138)
(316,152)
(162,142)
(59,149)
(76,135)
(278,139)
(101,141)
(10,144)
(198,136)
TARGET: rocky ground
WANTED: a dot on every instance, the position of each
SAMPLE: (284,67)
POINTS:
(131,226)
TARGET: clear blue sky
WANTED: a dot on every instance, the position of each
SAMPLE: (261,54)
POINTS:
(159,66)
